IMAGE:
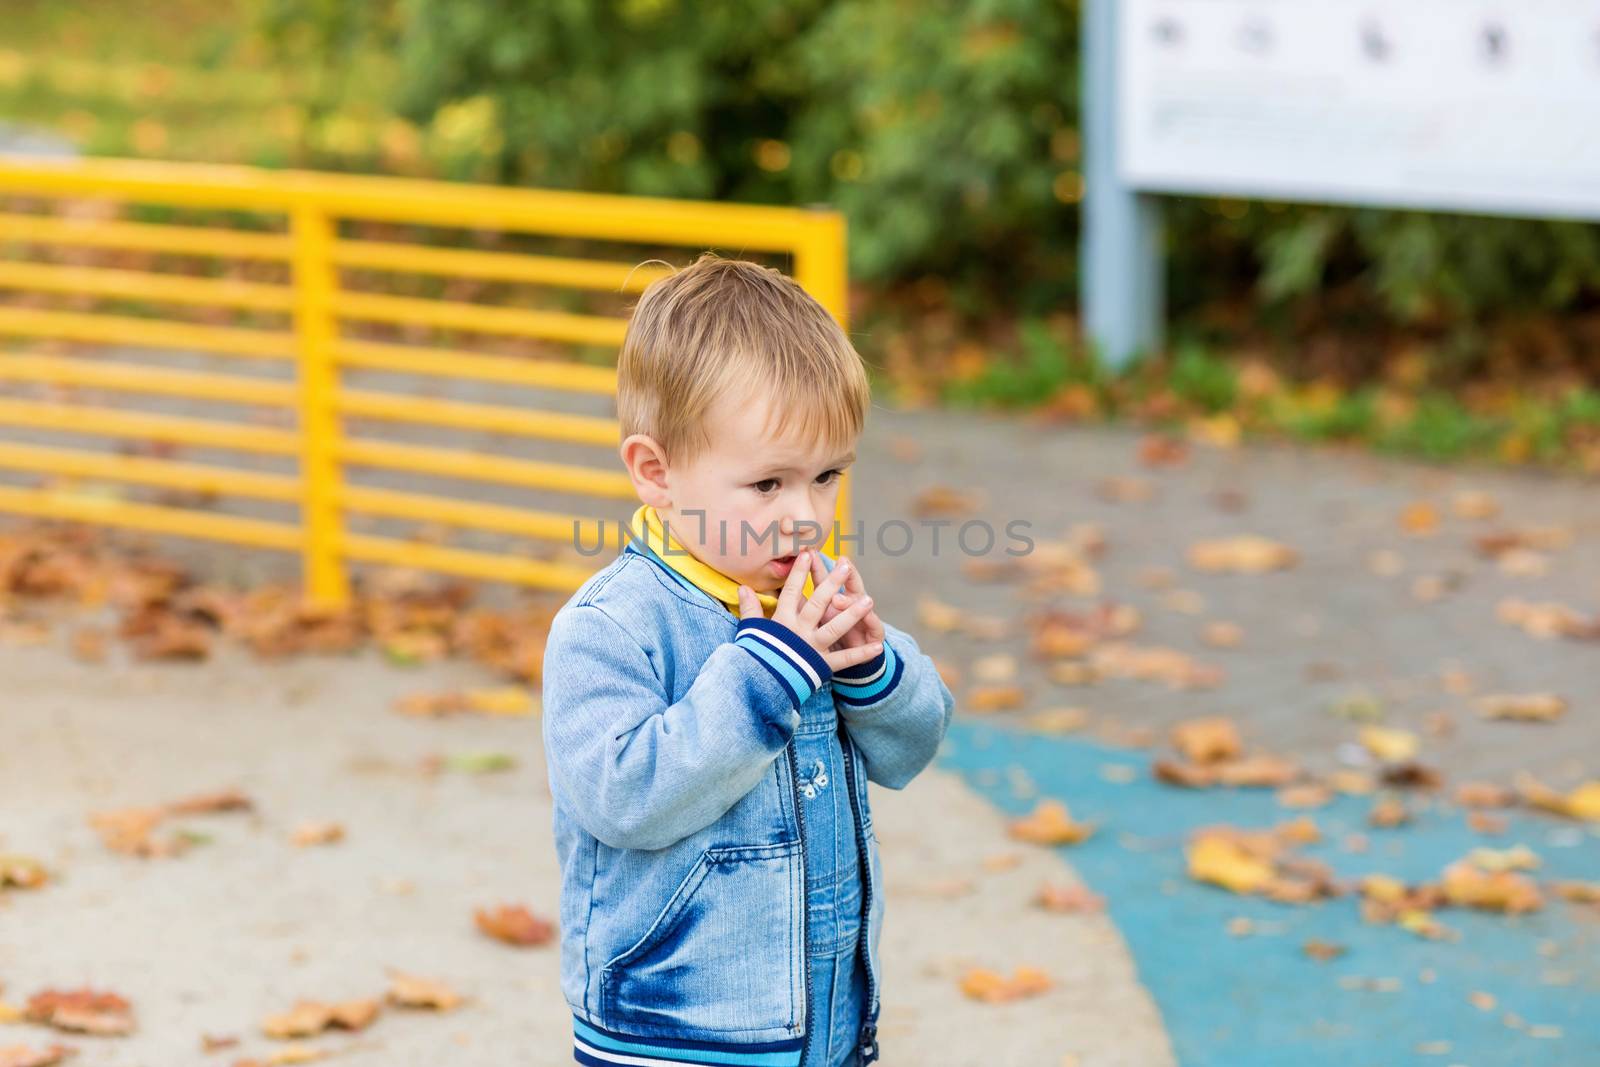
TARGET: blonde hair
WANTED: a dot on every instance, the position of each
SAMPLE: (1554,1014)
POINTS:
(721,326)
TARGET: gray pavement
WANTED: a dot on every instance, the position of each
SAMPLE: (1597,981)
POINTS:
(213,941)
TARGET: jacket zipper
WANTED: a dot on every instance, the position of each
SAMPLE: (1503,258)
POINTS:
(805,900)
(868,1042)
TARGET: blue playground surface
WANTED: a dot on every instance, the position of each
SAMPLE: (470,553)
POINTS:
(1393,999)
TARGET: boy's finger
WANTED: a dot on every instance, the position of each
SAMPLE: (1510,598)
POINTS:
(795,582)
(853,581)
(846,620)
(851,657)
(824,590)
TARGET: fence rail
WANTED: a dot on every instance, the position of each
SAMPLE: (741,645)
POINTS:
(297,216)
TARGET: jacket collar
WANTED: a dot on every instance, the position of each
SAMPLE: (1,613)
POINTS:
(653,538)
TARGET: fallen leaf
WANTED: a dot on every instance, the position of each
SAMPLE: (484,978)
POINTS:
(984,698)
(24,1056)
(992,987)
(1050,824)
(1069,899)
(317,833)
(1582,803)
(1307,795)
(1059,720)
(21,872)
(1207,739)
(515,925)
(1467,884)
(1159,450)
(411,991)
(81,1011)
(310,1017)
(1390,744)
(1246,554)
(1523,707)
(1420,519)
(1225,862)
(1322,951)
(1388,812)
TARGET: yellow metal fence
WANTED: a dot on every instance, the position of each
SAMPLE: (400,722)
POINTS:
(314,305)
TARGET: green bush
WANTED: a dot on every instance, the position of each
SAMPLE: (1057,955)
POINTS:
(946,131)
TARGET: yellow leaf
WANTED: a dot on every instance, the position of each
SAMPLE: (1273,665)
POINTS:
(1223,862)
(505,700)
(1387,743)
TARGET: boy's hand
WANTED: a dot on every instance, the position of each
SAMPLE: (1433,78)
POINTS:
(869,630)
(805,615)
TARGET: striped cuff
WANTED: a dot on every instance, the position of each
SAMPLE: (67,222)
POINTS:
(602,1048)
(869,682)
(797,666)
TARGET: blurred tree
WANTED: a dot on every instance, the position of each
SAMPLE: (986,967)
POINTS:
(946,131)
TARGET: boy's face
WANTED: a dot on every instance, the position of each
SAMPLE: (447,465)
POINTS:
(750,501)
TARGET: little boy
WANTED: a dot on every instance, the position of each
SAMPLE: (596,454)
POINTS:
(717,697)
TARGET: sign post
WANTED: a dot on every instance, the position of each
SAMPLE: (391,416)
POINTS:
(1440,105)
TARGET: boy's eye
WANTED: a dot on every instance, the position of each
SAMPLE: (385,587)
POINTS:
(767,485)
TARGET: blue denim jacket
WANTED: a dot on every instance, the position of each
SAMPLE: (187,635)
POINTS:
(667,726)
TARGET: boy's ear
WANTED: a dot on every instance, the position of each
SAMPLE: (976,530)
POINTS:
(647,468)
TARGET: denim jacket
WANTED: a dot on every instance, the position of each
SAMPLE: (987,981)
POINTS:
(667,725)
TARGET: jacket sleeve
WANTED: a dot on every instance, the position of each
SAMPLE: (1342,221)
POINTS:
(896,709)
(639,772)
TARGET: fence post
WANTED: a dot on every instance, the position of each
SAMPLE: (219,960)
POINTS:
(326,583)
(821,267)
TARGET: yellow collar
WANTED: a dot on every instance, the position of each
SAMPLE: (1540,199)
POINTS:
(647,526)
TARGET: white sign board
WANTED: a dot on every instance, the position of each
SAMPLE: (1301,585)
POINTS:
(1447,104)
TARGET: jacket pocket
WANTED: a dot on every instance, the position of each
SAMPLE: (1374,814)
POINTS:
(724,953)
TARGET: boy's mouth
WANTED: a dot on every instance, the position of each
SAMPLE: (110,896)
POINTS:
(782,565)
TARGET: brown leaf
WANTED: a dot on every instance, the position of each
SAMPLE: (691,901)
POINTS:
(1222,634)
(310,1017)
(21,872)
(1050,824)
(1306,795)
(1189,775)
(24,1056)
(1322,951)
(1245,554)
(1469,885)
(993,987)
(1411,775)
(1158,450)
(317,833)
(1420,519)
(514,924)
(1207,739)
(81,1011)
(206,803)
(1069,899)
(411,991)
(1548,619)
(982,698)
(1258,770)
(1523,707)
(1059,720)
(1388,812)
